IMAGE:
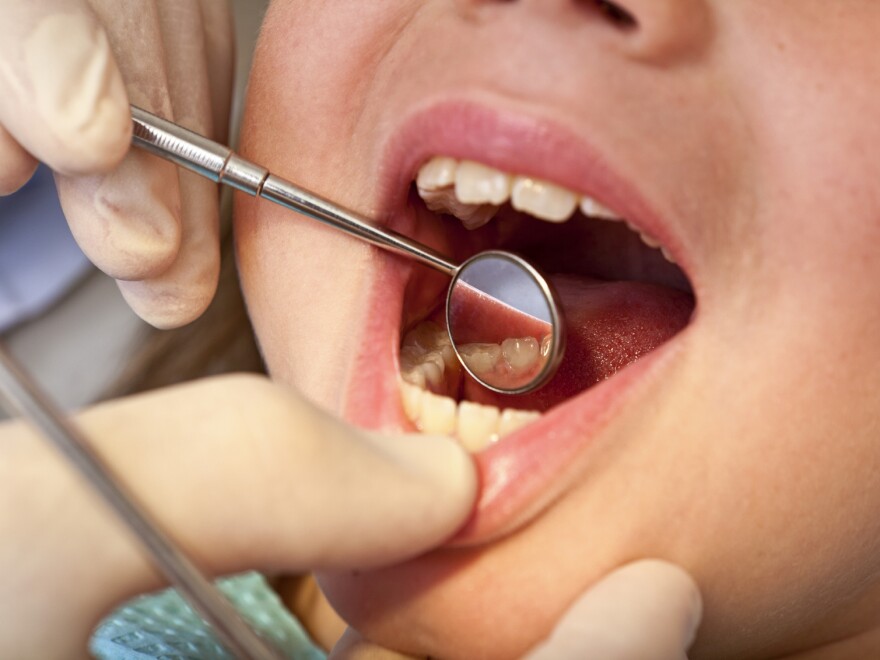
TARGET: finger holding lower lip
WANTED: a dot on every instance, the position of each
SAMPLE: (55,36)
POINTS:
(16,165)
(128,220)
(63,98)
(647,610)
(181,293)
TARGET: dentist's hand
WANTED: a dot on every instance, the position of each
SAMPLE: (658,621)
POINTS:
(68,71)
(647,610)
(244,474)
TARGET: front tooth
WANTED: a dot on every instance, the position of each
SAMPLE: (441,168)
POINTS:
(480,358)
(512,420)
(477,425)
(593,209)
(667,255)
(437,414)
(543,200)
(520,353)
(437,173)
(411,396)
(479,184)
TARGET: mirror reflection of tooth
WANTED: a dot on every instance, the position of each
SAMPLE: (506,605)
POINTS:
(521,353)
(543,200)
(546,343)
(480,358)
(477,425)
(479,184)
(437,414)
(437,173)
(512,420)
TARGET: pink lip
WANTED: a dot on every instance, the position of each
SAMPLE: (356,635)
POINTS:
(531,468)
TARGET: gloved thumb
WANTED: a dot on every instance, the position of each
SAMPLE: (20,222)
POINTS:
(647,610)
(63,97)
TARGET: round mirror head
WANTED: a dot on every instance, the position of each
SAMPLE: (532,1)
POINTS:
(504,322)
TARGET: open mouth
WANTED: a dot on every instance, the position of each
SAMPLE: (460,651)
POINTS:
(464,177)
(622,294)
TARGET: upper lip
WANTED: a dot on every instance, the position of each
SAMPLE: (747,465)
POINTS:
(512,490)
(519,144)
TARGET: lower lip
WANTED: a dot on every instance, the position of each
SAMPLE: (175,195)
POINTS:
(528,470)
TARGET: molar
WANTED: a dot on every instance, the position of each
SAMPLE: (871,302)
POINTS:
(543,200)
(521,354)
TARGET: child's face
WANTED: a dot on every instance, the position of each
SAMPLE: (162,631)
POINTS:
(746,137)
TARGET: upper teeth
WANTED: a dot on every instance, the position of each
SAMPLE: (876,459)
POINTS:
(471,190)
(473,193)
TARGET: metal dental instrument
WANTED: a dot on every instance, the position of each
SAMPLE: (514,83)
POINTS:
(496,303)
(21,395)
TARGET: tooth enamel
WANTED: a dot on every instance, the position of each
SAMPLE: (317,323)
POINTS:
(512,420)
(472,216)
(437,414)
(593,209)
(666,254)
(479,184)
(411,396)
(477,425)
(545,346)
(480,358)
(649,240)
(437,173)
(543,200)
(520,354)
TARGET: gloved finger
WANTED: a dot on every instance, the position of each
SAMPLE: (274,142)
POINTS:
(243,474)
(63,98)
(647,610)
(220,50)
(181,293)
(128,221)
(16,165)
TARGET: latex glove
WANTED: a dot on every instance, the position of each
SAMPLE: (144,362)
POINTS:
(647,610)
(244,474)
(68,70)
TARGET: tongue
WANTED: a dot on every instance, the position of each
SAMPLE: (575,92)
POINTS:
(609,325)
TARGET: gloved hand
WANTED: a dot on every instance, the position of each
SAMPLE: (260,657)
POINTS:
(68,70)
(647,610)
(244,474)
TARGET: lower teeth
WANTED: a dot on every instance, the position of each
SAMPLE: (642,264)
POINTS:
(431,376)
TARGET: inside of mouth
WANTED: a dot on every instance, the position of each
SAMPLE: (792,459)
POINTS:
(621,299)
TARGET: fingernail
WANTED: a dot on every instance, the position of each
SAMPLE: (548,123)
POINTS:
(79,93)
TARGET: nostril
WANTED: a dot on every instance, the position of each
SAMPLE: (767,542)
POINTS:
(615,14)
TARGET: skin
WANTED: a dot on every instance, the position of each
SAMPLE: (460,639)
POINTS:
(754,453)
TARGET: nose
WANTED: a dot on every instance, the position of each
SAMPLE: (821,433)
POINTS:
(646,30)
(655,30)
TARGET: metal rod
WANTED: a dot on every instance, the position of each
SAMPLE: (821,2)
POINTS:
(23,396)
(221,165)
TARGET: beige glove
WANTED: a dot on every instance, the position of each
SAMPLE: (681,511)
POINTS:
(68,70)
(244,475)
(647,610)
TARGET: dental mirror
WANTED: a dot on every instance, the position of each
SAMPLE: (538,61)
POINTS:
(504,319)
